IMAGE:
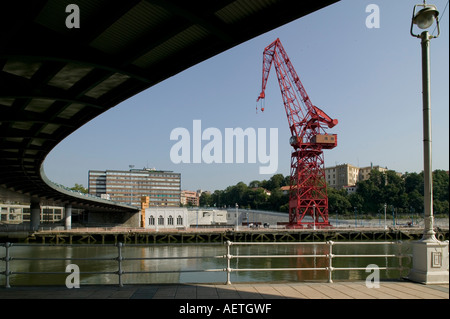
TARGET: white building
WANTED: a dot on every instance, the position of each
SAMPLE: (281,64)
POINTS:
(208,217)
(166,218)
(181,218)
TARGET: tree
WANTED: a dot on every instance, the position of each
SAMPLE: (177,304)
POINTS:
(440,192)
(218,198)
(394,192)
(356,200)
(254,184)
(413,182)
(370,192)
(256,198)
(338,201)
(277,199)
(79,188)
(206,199)
(275,182)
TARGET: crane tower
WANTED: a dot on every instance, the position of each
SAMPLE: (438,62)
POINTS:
(307,124)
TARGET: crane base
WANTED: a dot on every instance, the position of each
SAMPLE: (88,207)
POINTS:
(309,226)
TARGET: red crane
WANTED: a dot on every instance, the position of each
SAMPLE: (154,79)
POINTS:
(307,123)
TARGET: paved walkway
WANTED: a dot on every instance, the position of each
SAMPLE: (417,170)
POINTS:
(337,290)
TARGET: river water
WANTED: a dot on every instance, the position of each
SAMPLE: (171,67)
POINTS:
(170,267)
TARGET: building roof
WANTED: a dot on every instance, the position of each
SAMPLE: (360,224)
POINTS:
(54,79)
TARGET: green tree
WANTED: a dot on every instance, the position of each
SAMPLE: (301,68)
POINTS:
(79,188)
(371,192)
(256,198)
(356,200)
(394,192)
(277,199)
(413,182)
(206,199)
(254,184)
(218,198)
(440,192)
(338,201)
(275,182)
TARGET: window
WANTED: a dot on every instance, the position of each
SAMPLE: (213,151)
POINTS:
(179,220)
(151,221)
(170,220)
(160,220)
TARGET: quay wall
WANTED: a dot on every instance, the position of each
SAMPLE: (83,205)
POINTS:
(142,236)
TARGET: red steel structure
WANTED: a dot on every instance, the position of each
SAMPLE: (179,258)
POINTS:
(307,123)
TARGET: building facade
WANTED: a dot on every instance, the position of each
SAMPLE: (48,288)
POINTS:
(162,187)
(14,214)
(347,175)
(341,175)
(190,198)
(208,218)
(159,218)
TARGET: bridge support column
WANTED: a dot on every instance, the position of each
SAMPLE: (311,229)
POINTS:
(68,216)
(35,215)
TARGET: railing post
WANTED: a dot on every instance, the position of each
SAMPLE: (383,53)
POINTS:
(330,262)
(228,256)
(7,259)
(119,259)
(400,257)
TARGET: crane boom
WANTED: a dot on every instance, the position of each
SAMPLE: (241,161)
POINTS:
(307,124)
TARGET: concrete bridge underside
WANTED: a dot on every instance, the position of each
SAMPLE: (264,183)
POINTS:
(54,79)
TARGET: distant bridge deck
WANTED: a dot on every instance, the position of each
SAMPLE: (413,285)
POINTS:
(145,236)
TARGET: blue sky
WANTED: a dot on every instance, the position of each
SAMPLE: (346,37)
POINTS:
(368,79)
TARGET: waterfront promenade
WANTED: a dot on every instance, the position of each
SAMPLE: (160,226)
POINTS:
(295,290)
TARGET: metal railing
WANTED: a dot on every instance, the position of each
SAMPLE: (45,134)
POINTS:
(228,257)
(329,256)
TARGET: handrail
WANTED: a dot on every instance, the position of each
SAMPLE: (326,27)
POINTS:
(119,258)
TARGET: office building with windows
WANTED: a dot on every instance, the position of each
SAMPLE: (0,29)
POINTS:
(162,187)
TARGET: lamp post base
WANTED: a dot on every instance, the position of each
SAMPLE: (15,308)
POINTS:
(430,262)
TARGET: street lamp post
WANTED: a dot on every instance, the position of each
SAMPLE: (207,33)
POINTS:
(337,217)
(393,216)
(237,217)
(430,256)
(424,19)
(385,205)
